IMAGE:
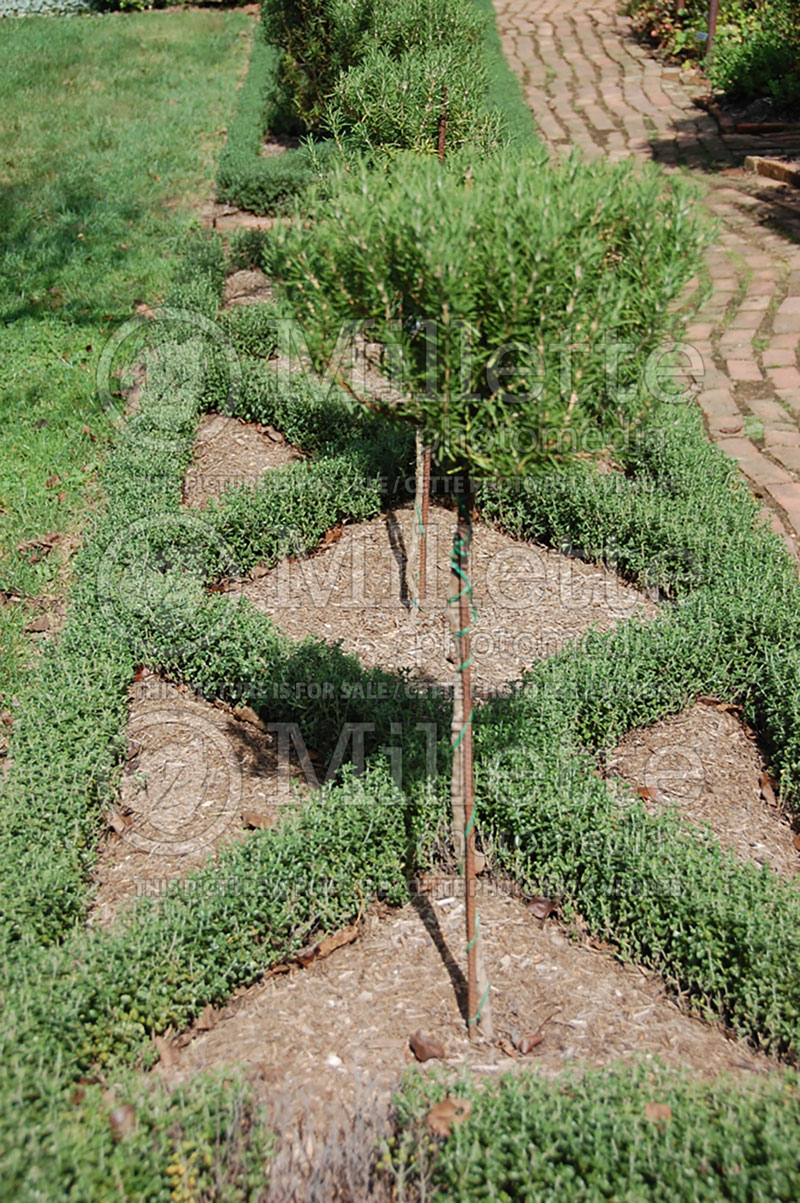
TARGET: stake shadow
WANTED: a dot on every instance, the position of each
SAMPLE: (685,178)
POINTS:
(427,914)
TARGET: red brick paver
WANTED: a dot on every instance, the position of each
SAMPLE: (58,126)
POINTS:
(590,84)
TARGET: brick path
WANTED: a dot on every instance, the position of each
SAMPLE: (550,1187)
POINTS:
(591,85)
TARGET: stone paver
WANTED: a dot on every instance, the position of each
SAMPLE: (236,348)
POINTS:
(590,84)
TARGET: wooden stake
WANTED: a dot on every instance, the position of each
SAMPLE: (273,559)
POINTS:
(713,9)
(463,786)
(425,505)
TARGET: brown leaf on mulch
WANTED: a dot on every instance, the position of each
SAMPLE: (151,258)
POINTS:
(207,1019)
(348,935)
(797,842)
(248,715)
(767,789)
(657,1112)
(253,820)
(443,1116)
(425,1048)
(526,1044)
(542,907)
(306,955)
(330,537)
(168,1053)
(118,822)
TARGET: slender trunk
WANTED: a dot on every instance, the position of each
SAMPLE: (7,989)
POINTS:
(462,789)
(417,563)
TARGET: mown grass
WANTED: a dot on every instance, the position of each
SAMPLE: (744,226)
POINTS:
(109,130)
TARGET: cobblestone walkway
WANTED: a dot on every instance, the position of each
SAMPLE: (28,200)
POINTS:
(591,85)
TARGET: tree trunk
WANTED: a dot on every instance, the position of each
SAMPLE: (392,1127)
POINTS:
(461,612)
(417,565)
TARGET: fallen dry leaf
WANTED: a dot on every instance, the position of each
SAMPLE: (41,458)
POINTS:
(306,955)
(443,1116)
(89,432)
(254,821)
(797,842)
(207,1019)
(767,789)
(168,1054)
(144,310)
(44,544)
(425,1048)
(122,1120)
(52,481)
(657,1112)
(248,715)
(42,623)
(526,1044)
(348,935)
(118,822)
(542,907)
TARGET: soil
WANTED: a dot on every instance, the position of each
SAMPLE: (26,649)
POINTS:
(246,287)
(707,764)
(228,452)
(326,1045)
(530,601)
(322,1043)
(197,777)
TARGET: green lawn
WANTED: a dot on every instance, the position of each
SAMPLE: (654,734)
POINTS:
(109,131)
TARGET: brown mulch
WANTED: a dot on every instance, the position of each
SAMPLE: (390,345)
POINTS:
(229,452)
(246,287)
(316,1033)
(217,215)
(197,777)
(707,763)
(531,601)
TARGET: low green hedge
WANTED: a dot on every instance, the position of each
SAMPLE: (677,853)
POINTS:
(630,1133)
(722,930)
(245,176)
(272,184)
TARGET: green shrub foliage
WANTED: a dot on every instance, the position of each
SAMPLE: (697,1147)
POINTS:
(630,1133)
(494,272)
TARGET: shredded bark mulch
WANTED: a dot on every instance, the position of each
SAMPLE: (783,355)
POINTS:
(706,762)
(530,601)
